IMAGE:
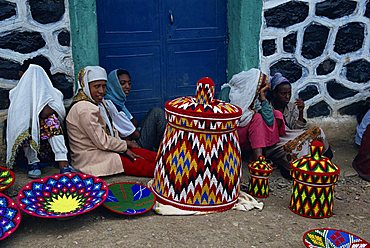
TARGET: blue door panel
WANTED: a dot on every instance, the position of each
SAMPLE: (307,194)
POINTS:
(190,62)
(196,19)
(125,21)
(167,45)
(143,64)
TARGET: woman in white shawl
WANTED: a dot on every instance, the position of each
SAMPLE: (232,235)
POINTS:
(96,147)
(258,128)
(35,112)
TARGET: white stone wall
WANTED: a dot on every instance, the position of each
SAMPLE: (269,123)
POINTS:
(309,75)
(59,56)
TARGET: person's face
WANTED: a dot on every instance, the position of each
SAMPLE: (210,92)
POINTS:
(125,82)
(97,90)
(283,94)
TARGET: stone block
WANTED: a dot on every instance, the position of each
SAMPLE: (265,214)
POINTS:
(319,109)
(64,38)
(22,41)
(9,69)
(286,14)
(289,42)
(314,40)
(367,11)
(61,82)
(309,92)
(326,67)
(7,9)
(350,38)
(334,9)
(289,68)
(4,98)
(358,71)
(46,11)
(268,47)
(338,91)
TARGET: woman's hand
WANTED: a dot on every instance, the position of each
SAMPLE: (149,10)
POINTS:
(131,155)
(132,144)
(262,93)
(299,103)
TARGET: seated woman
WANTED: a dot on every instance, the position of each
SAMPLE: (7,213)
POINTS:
(295,143)
(154,124)
(258,129)
(96,148)
(361,163)
(34,116)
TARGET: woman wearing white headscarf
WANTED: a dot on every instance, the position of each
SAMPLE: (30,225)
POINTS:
(35,111)
(95,145)
(258,127)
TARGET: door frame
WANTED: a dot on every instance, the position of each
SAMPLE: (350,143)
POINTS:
(244,20)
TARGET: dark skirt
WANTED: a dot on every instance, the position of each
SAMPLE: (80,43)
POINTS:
(361,163)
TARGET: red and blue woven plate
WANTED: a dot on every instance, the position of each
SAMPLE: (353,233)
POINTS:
(62,195)
(327,237)
(10,216)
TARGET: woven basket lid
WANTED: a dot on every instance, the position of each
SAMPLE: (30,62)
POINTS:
(260,164)
(203,106)
(315,162)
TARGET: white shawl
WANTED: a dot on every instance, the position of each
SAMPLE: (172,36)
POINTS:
(243,90)
(33,92)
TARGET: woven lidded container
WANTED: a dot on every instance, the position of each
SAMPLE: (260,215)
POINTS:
(314,177)
(259,171)
(198,163)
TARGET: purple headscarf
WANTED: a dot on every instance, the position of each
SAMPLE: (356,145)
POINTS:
(278,79)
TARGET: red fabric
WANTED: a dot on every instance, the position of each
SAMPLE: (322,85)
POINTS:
(141,167)
(256,134)
(280,117)
(361,163)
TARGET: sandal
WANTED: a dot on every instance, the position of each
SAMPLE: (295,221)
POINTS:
(34,171)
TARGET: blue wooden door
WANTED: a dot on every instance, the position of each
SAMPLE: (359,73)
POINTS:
(166,45)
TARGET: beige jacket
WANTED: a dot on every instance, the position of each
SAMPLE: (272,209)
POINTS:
(93,151)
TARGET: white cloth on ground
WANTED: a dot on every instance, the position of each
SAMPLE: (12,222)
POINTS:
(245,203)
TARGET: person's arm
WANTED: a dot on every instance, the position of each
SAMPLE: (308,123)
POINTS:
(299,121)
(88,120)
(267,114)
(300,106)
(266,109)
(46,112)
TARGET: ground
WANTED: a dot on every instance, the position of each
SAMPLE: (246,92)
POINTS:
(274,226)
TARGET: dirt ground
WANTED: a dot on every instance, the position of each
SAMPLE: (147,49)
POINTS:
(274,226)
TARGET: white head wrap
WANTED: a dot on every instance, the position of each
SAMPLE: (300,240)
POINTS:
(33,92)
(243,90)
(91,73)
(88,75)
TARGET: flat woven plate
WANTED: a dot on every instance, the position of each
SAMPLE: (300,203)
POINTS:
(62,195)
(6,178)
(327,237)
(10,216)
(129,198)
